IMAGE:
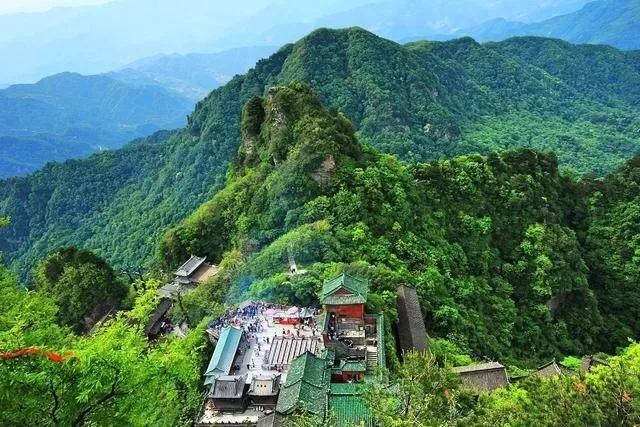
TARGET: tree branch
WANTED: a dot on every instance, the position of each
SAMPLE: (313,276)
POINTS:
(81,418)
(56,404)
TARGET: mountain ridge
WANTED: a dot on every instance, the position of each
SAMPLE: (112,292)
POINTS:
(506,252)
(422,101)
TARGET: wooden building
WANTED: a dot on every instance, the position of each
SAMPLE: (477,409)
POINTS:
(306,387)
(553,368)
(195,271)
(483,377)
(348,371)
(345,296)
(157,319)
(412,332)
(231,344)
(589,362)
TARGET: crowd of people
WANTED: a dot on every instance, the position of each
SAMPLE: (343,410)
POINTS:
(245,316)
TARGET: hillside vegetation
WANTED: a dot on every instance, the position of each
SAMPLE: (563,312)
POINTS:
(512,260)
(421,101)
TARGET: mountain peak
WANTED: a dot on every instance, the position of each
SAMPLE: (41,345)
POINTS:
(290,124)
(293,149)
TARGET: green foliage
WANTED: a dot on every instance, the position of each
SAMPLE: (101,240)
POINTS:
(571,362)
(83,285)
(422,393)
(607,395)
(448,353)
(426,394)
(497,247)
(112,377)
(421,101)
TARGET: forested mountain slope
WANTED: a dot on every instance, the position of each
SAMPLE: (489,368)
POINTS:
(421,101)
(70,116)
(499,248)
(511,258)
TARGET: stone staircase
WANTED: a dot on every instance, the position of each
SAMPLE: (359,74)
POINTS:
(372,358)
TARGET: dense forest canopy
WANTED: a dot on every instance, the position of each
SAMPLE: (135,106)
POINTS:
(512,259)
(420,101)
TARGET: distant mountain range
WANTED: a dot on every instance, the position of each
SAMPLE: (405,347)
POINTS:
(612,22)
(97,39)
(193,75)
(69,115)
(398,20)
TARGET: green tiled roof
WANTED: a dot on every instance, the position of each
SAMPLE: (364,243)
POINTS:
(223,354)
(358,290)
(347,408)
(343,388)
(350,366)
(306,386)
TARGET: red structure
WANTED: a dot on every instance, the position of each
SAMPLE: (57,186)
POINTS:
(54,357)
(344,299)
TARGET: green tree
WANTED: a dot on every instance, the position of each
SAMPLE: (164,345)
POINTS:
(83,285)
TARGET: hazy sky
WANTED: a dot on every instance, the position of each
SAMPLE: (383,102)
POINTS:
(10,6)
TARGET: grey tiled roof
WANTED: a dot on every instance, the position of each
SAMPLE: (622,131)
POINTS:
(479,367)
(190,266)
(228,387)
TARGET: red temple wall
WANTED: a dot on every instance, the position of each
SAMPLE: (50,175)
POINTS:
(353,310)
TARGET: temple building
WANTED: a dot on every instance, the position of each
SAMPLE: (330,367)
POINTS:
(227,393)
(312,365)
(551,369)
(306,386)
(589,362)
(483,377)
(189,275)
(231,344)
(345,296)
(264,390)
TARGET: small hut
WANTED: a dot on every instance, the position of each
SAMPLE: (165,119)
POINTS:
(483,377)
(157,318)
(589,362)
(263,391)
(549,370)
(195,271)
